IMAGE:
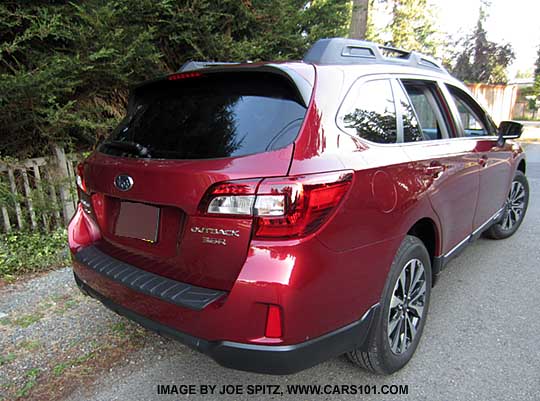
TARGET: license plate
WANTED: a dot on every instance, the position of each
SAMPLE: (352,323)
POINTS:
(137,220)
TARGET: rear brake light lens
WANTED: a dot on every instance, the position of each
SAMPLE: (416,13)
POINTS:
(285,207)
(307,203)
(184,75)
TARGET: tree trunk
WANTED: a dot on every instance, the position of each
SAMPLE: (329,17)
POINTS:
(359,19)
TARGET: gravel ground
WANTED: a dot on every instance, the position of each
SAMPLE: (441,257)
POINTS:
(51,333)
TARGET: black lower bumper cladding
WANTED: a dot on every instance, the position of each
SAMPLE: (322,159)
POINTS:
(282,359)
(174,292)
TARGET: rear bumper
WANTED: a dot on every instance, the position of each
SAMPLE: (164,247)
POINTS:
(269,359)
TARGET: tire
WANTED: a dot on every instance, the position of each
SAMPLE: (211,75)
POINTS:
(515,208)
(380,354)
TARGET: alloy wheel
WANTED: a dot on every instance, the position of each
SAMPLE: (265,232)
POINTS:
(515,205)
(407,306)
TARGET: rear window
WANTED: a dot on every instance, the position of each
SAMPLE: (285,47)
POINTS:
(212,116)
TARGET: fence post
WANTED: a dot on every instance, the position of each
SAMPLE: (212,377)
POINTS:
(15,193)
(39,188)
(5,215)
(65,194)
(29,202)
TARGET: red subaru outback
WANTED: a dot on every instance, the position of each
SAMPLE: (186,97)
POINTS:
(274,215)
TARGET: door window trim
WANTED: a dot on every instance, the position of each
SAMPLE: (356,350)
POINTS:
(437,104)
(485,119)
(362,80)
(454,125)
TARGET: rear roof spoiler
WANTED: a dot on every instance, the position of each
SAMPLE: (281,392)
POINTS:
(197,65)
(302,86)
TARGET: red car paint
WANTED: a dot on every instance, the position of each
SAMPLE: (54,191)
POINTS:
(317,283)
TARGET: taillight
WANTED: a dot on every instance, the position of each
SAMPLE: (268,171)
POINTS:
(298,206)
(81,183)
(284,207)
(234,198)
(82,230)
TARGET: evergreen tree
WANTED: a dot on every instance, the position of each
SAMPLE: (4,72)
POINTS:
(481,60)
(412,26)
(537,74)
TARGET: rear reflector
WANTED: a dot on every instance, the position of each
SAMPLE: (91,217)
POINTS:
(273,322)
(283,207)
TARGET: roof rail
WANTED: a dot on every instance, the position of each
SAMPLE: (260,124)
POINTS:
(353,51)
(197,65)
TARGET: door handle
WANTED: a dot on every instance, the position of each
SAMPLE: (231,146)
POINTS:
(435,169)
(483,160)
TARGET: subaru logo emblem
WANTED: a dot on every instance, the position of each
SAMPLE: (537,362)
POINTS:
(123,182)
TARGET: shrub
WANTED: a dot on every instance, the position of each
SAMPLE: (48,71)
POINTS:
(23,252)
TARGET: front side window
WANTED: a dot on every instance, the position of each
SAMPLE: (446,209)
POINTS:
(473,119)
(369,112)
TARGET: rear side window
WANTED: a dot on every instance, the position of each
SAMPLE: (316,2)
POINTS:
(424,99)
(369,112)
(212,116)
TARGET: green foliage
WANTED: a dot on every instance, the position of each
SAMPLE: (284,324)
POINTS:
(537,74)
(412,26)
(481,60)
(65,66)
(22,252)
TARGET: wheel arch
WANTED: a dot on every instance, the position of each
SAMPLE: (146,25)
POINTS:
(427,231)
(522,166)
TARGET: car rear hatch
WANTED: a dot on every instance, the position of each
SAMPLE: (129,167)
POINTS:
(181,135)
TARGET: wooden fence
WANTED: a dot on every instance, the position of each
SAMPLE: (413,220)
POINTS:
(499,100)
(38,194)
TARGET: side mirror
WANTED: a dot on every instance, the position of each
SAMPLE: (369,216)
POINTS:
(509,130)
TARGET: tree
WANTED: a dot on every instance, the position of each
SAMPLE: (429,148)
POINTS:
(537,74)
(412,26)
(481,60)
(359,19)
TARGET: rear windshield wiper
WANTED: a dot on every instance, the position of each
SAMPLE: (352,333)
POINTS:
(131,147)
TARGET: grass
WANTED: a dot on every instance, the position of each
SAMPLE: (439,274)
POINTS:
(119,328)
(7,358)
(25,321)
(29,345)
(59,369)
(32,376)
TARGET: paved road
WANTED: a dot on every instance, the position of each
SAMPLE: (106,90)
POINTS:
(481,341)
